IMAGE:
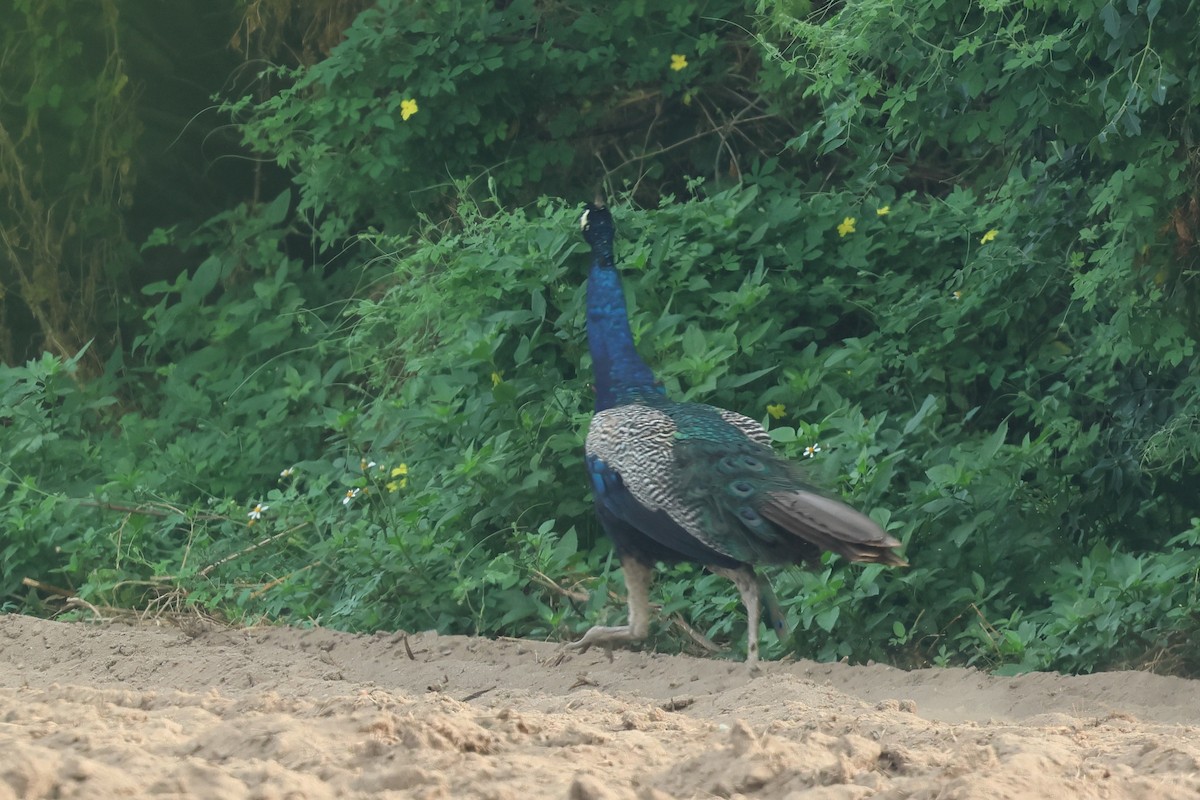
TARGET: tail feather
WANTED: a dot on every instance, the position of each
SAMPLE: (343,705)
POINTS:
(831,525)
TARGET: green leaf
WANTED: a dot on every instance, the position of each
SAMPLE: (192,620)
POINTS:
(693,342)
(1111,20)
(275,212)
(927,405)
(734,381)
(203,282)
(994,442)
(944,474)
(828,618)
(756,237)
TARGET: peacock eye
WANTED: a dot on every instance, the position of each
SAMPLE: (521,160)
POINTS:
(748,514)
(752,463)
(742,488)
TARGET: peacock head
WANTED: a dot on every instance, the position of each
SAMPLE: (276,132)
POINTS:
(596,224)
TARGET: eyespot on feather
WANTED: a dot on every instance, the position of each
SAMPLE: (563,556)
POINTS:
(741,488)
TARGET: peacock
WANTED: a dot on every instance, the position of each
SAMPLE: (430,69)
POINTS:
(690,482)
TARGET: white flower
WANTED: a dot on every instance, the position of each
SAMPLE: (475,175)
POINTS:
(812,450)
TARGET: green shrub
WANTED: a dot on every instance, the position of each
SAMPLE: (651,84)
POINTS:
(968,281)
(511,102)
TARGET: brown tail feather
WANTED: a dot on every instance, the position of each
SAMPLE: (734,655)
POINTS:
(832,526)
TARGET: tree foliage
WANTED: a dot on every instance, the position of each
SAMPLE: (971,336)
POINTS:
(513,100)
(951,245)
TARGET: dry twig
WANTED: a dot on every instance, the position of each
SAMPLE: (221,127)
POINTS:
(273,537)
(549,583)
(47,587)
(272,584)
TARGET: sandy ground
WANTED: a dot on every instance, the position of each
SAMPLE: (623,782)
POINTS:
(103,711)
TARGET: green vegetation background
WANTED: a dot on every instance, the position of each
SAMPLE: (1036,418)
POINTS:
(291,309)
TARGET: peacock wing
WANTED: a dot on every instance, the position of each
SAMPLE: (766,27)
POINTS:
(630,457)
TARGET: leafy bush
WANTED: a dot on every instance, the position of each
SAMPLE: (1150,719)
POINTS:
(446,489)
(517,100)
(956,472)
(989,332)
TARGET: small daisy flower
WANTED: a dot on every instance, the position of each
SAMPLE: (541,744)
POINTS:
(408,107)
(776,410)
(847,226)
(987,237)
(350,495)
(956,295)
(812,450)
(256,513)
(365,465)
(678,62)
(287,473)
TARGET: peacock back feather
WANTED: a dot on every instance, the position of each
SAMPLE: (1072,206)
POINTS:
(714,475)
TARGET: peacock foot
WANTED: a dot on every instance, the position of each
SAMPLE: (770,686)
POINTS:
(606,637)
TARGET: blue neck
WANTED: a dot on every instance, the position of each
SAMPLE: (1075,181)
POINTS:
(620,372)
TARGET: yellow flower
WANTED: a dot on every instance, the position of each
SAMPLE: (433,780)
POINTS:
(847,226)
(883,211)
(496,379)
(776,410)
(987,237)
(678,62)
(400,472)
(408,108)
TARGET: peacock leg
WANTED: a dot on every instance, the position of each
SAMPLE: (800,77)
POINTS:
(746,581)
(638,577)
